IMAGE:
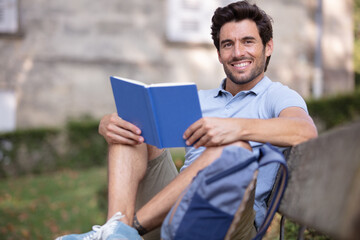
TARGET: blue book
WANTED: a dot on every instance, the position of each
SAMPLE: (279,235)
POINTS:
(162,111)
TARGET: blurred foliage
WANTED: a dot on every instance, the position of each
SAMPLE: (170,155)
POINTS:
(85,146)
(42,150)
(332,111)
(25,151)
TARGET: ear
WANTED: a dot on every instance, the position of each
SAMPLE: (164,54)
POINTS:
(269,48)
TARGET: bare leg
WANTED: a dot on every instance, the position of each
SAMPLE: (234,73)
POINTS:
(126,167)
(154,212)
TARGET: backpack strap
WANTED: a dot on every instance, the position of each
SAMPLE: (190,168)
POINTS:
(270,154)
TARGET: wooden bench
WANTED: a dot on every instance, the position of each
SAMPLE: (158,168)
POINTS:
(323,191)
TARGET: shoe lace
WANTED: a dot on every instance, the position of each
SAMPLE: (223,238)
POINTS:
(109,226)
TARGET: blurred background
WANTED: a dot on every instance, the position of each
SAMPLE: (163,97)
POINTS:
(55,63)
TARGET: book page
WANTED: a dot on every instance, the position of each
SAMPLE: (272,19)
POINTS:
(131,81)
(171,84)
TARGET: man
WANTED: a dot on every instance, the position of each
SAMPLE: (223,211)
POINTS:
(247,110)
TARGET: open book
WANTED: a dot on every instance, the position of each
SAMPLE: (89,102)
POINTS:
(162,111)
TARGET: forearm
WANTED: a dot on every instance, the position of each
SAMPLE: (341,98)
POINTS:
(292,127)
(282,131)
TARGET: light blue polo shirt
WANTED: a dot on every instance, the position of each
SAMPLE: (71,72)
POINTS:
(266,100)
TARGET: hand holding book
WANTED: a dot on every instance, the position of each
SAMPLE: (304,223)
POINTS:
(118,131)
(162,111)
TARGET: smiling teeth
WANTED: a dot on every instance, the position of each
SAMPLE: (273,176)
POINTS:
(241,64)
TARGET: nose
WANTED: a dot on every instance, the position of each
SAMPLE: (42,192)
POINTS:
(239,50)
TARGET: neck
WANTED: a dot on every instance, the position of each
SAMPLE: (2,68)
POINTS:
(234,88)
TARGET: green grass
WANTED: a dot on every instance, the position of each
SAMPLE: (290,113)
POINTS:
(71,201)
(48,205)
(291,231)
(42,207)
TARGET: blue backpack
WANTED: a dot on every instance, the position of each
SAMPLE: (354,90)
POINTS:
(206,209)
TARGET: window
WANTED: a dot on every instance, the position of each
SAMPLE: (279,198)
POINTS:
(190,20)
(9,20)
(7,111)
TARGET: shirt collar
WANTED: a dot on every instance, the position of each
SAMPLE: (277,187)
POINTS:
(257,89)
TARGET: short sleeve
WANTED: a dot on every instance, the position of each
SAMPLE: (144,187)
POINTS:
(282,97)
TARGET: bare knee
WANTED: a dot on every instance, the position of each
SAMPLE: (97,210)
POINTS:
(142,152)
(218,150)
(212,153)
(117,147)
(243,144)
(153,152)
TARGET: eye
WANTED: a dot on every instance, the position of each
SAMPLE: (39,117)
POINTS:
(249,41)
(227,45)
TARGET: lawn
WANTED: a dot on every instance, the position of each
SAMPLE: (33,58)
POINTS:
(70,201)
(44,206)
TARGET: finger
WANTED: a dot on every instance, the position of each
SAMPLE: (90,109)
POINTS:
(118,139)
(211,143)
(203,141)
(121,123)
(193,127)
(124,133)
(197,135)
(131,127)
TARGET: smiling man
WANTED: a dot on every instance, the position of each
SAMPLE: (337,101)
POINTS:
(243,54)
(247,110)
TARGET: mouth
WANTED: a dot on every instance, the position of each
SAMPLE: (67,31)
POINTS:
(241,65)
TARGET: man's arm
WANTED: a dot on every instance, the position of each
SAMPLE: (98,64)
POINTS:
(292,127)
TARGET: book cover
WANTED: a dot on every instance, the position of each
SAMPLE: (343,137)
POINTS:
(162,111)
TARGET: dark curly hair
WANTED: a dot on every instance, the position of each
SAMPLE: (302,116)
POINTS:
(238,11)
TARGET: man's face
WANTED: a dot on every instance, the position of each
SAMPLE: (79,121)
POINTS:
(242,53)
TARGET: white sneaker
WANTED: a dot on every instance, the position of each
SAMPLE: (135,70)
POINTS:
(112,229)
